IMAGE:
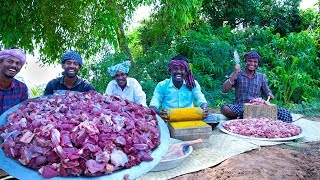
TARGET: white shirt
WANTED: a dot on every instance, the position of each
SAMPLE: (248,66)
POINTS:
(133,91)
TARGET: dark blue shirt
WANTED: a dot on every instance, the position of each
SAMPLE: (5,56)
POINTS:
(80,85)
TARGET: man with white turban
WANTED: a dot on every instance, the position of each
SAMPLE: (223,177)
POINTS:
(12,91)
(124,86)
(71,62)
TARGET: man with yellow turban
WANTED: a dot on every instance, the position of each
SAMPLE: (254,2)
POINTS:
(12,91)
(124,86)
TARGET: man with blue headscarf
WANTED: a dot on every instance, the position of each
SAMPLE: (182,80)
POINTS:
(71,63)
(124,86)
(12,91)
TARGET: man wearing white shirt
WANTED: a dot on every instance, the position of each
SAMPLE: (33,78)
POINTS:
(124,86)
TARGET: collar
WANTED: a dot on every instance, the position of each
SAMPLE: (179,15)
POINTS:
(11,86)
(172,85)
(74,85)
(244,73)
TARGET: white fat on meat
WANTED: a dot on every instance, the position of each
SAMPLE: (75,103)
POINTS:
(118,158)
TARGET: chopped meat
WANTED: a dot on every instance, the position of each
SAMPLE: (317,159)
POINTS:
(80,134)
(262,128)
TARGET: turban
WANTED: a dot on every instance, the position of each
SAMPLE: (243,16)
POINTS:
(190,82)
(252,55)
(71,55)
(18,53)
(122,67)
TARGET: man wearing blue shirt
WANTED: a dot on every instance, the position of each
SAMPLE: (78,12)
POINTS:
(179,91)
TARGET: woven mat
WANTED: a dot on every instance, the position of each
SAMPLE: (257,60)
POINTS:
(223,146)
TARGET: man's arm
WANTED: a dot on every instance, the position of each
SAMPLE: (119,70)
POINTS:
(49,89)
(88,86)
(164,114)
(139,94)
(156,101)
(265,88)
(227,85)
(201,100)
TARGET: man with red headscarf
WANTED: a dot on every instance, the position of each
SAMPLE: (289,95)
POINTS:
(12,91)
(179,91)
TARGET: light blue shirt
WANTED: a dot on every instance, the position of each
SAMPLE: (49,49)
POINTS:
(168,96)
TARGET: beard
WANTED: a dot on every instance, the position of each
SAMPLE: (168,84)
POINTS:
(8,76)
(70,75)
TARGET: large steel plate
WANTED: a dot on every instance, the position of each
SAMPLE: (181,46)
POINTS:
(17,170)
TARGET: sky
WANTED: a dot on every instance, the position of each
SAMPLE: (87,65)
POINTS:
(34,75)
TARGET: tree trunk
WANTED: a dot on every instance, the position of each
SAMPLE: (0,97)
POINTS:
(123,45)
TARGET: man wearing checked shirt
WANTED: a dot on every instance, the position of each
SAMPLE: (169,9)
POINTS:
(248,84)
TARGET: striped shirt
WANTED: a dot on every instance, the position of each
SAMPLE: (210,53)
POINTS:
(250,88)
(16,93)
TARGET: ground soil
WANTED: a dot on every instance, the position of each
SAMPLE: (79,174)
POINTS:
(286,162)
(292,161)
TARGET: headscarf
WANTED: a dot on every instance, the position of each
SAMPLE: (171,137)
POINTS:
(18,53)
(252,55)
(71,55)
(122,67)
(181,61)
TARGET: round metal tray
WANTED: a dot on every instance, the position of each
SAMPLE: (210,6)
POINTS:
(14,168)
(257,138)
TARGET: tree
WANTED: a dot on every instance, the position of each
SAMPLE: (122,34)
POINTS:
(87,26)
(282,15)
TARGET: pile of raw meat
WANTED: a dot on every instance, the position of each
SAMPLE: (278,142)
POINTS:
(262,128)
(80,134)
(259,101)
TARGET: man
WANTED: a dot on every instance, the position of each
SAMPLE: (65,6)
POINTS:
(248,85)
(71,63)
(12,91)
(124,86)
(179,91)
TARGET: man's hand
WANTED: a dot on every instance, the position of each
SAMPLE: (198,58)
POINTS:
(164,114)
(237,68)
(205,113)
(271,96)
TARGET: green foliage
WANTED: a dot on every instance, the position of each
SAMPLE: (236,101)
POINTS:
(53,27)
(96,71)
(36,91)
(282,15)
(308,109)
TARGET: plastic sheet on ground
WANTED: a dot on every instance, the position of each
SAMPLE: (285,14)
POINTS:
(223,146)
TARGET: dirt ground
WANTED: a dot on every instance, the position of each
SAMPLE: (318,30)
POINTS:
(286,162)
